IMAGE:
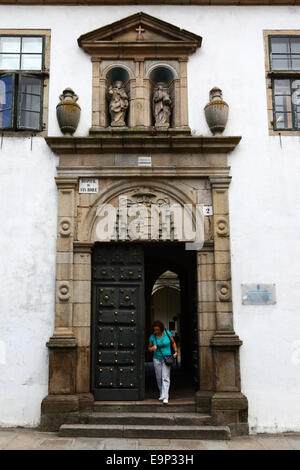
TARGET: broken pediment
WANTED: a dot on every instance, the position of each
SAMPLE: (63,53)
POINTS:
(139,35)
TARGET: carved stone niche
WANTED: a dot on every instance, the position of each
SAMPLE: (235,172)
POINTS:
(149,57)
(118,96)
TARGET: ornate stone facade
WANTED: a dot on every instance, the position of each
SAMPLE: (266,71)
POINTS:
(185,169)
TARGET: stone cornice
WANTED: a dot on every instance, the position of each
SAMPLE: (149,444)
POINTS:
(61,342)
(82,247)
(135,144)
(66,183)
(219,172)
(226,339)
(220,182)
(110,50)
(151,2)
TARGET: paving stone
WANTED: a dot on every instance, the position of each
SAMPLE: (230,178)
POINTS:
(120,444)
(56,443)
(100,446)
(183,444)
(154,448)
(154,442)
(6,437)
(24,441)
(273,443)
(215,445)
(244,444)
(87,443)
(294,442)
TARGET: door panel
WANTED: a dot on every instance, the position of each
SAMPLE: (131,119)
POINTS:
(118,322)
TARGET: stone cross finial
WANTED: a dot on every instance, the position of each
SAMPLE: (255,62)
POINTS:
(140,32)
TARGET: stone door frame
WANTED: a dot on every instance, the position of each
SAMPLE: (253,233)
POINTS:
(69,347)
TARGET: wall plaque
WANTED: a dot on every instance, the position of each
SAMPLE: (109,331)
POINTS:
(258,294)
(144,161)
(88,185)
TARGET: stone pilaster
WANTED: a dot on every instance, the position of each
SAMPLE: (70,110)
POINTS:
(206,325)
(139,93)
(62,345)
(82,313)
(103,108)
(98,100)
(131,108)
(183,93)
(224,318)
(228,405)
(64,256)
(177,113)
(147,103)
(69,346)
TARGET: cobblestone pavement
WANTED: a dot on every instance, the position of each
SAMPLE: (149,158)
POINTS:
(32,439)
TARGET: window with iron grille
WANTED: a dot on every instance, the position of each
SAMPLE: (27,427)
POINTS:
(285,75)
(21,82)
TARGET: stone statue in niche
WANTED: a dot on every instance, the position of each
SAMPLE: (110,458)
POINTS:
(162,107)
(118,103)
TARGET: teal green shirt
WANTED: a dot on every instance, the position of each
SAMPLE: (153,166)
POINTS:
(164,343)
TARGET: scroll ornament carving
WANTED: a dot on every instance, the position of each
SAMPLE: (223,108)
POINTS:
(147,197)
(222,227)
(65,228)
(224,291)
(64,292)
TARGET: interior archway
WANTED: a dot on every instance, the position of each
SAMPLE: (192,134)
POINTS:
(165,304)
(170,274)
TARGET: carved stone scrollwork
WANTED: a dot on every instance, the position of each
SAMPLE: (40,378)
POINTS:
(64,292)
(222,227)
(224,291)
(65,227)
(147,197)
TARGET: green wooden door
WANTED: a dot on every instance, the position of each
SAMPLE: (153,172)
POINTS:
(118,322)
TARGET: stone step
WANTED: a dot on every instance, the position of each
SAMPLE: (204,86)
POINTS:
(170,419)
(146,406)
(145,431)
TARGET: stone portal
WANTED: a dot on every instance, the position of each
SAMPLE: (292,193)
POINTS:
(183,169)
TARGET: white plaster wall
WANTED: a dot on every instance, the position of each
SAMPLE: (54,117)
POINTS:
(264,201)
(27,276)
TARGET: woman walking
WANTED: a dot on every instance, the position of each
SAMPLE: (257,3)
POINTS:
(160,344)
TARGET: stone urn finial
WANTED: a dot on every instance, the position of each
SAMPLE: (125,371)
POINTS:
(216,112)
(68,112)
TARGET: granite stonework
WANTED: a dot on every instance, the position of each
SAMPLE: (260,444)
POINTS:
(185,169)
(207,169)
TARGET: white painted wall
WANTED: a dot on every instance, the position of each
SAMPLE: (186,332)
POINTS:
(27,276)
(264,201)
